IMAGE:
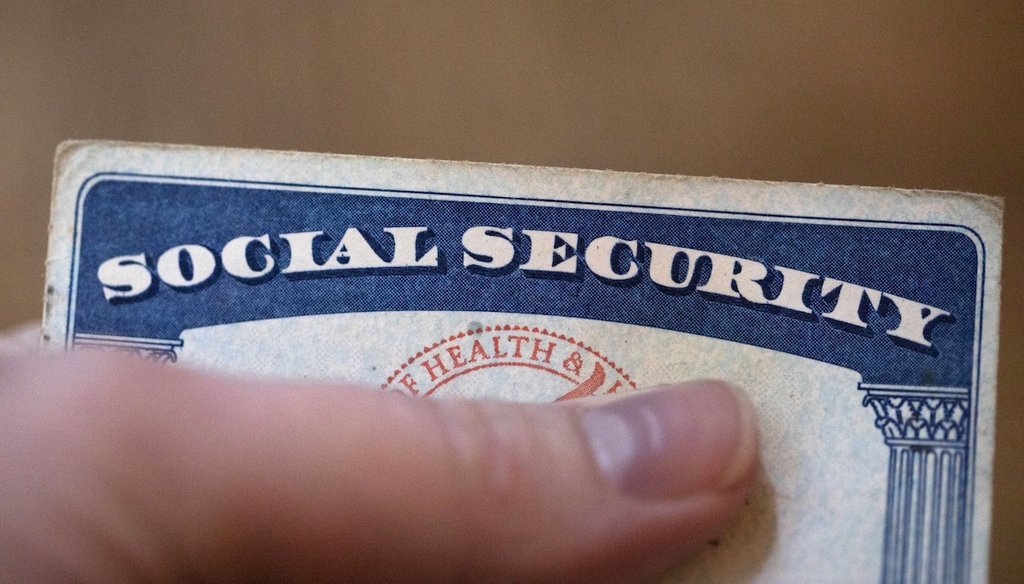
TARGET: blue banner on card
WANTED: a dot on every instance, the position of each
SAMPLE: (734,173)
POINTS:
(896,302)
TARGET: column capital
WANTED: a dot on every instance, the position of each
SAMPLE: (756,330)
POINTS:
(159,350)
(920,416)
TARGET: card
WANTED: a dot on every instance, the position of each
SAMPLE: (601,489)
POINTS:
(862,321)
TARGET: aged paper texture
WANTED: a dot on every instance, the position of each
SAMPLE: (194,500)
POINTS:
(862,321)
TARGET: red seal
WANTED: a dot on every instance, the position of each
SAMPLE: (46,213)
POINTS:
(553,365)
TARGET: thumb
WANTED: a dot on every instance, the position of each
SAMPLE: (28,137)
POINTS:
(216,479)
(23,338)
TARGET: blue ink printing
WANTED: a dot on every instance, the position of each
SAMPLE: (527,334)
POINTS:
(899,303)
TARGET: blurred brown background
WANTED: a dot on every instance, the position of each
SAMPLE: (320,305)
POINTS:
(922,95)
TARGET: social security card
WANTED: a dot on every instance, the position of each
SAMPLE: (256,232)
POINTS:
(862,321)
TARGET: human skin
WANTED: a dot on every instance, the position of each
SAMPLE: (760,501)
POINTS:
(113,469)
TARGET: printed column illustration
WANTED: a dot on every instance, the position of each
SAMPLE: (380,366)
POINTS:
(159,350)
(926,429)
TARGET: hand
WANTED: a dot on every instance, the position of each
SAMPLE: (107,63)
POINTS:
(116,470)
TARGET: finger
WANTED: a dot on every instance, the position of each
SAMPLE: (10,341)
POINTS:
(20,339)
(220,479)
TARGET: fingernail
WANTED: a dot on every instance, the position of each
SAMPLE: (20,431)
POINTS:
(674,441)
